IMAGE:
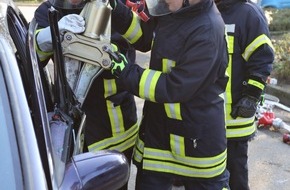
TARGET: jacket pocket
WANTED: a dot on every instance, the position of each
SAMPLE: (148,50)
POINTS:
(184,137)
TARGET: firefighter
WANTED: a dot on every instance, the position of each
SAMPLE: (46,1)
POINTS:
(111,121)
(251,55)
(182,133)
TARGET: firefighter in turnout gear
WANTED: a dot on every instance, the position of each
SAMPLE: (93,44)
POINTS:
(111,117)
(182,132)
(251,55)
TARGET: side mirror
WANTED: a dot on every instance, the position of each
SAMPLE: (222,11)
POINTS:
(106,169)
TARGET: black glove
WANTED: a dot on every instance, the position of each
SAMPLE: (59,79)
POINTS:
(246,107)
(113,3)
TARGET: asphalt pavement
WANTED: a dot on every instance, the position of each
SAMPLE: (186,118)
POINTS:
(269,157)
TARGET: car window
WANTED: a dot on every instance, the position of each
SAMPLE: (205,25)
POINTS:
(10,170)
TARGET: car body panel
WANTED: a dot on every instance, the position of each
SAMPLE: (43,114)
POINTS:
(20,120)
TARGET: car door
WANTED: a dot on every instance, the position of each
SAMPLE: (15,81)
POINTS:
(69,170)
(21,165)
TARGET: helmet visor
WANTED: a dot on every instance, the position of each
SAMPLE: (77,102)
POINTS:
(68,4)
(157,7)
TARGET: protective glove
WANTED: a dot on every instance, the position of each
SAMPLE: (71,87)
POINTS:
(113,3)
(119,61)
(246,107)
(72,22)
(118,65)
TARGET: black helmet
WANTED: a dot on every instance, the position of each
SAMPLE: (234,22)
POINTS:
(68,4)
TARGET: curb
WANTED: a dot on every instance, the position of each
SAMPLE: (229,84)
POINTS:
(280,92)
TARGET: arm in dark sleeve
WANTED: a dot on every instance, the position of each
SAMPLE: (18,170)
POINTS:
(195,71)
(41,15)
(259,54)
(131,27)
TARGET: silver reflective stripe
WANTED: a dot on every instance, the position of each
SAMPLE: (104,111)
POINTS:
(165,161)
(148,83)
(240,132)
(177,144)
(167,65)
(134,31)
(183,170)
(115,112)
(138,150)
(109,87)
(230,28)
(173,110)
(240,121)
(190,161)
(260,40)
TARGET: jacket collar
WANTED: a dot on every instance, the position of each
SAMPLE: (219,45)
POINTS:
(224,5)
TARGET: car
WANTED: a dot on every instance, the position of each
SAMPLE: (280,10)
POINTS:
(40,143)
(275,4)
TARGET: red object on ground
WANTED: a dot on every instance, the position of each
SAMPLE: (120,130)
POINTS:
(266,119)
(286,138)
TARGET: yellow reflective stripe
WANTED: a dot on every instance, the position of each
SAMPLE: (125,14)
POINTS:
(167,65)
(173,110)
(110,87)
(181,170)
(115,112)
(138,156)
(260,40)
(240,121)
(164,161)
(230,28)
(228,91)
(138,150)
(231,41)
(119,142)
(165,155)
(148,83)
(239,127)
(140,144)
(41,54)
(134,32)
(228,108)
(240,132)
(256,84)
(177,144)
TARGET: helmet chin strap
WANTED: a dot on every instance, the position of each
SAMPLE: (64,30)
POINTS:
(185,3)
